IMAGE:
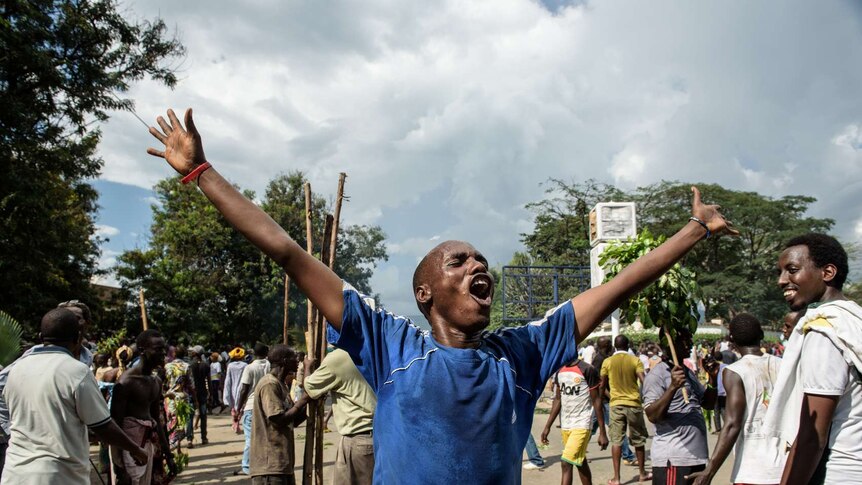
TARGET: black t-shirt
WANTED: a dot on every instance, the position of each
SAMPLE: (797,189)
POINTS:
(200,375)
(728,357)
(597,364)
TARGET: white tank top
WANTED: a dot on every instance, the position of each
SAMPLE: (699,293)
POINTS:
(759,459)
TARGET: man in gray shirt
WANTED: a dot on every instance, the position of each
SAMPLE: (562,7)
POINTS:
(679,447)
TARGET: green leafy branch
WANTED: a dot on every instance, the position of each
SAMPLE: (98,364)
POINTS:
(109,345)
(671,302)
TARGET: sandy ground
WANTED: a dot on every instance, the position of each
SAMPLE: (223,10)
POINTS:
(216,462)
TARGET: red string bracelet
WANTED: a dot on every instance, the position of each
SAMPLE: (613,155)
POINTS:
(194,174)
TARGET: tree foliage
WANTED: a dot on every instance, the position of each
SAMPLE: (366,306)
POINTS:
(205,283)
(63,64)
(561,235)
(735,274)
(670,302)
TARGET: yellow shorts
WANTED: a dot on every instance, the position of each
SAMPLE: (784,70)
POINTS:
(575,442)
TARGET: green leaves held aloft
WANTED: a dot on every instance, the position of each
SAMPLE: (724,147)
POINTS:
(671,301)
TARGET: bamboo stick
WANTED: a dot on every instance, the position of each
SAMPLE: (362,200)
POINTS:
(320,352)
(675,359)
(312,469)
(143,308)
(310,426)
(309,247)
(308,456)
(333,241)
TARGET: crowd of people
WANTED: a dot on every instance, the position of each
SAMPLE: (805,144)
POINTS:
(143,400)
(455,404)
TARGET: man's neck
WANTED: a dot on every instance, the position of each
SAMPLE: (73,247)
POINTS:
(453,337)
(58,347)
(147,368)
(618,351)
(752,350)
(831,294)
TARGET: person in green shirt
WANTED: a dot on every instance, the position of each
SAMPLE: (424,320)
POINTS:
(353,404)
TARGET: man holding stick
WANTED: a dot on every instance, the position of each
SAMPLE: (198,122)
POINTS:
(274,417)
(466,395)
(679,447)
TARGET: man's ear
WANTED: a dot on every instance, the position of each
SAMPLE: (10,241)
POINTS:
(423,294)
(829,272)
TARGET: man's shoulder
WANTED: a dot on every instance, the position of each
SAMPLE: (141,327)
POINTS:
(269,383)
(268,380)
(659,373)
(338,361)
(586,368)
(621,358)
(65,363)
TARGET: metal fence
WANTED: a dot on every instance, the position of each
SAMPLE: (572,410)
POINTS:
(530,291)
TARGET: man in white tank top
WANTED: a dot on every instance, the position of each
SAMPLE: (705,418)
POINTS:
(748,383)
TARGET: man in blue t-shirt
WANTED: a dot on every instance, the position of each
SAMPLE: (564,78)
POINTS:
(454,404)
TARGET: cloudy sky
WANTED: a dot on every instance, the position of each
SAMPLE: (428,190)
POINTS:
(448,116)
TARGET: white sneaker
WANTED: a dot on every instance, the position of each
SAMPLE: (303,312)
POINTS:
(532,466)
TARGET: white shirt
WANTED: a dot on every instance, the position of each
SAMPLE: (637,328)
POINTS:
(824,372)
(645,361)
(251,375)
(52,399)
(576,405)
(758,458)
(588,354)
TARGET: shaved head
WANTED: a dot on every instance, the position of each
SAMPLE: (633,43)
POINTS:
(60,326)
(621,342)
(427,267)
(422,274)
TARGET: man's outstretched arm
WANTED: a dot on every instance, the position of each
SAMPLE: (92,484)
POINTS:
(183,150)
(594,305)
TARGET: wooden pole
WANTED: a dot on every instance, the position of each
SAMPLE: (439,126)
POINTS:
(320,343)
(675,359)
(285,325)
(309,246)
(312,467)
(143,308)
(308,456)
(330,236)
(333,241)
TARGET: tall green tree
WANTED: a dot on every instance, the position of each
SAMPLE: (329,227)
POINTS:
(359,248)
(64,66)
(562,225)
(205,283)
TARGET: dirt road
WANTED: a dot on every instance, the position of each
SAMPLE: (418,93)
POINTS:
(215,462)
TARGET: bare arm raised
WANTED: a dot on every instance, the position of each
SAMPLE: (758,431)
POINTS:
(184,151)
(594,305)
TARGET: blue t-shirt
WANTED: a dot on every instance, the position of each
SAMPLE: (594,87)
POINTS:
(447,415)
